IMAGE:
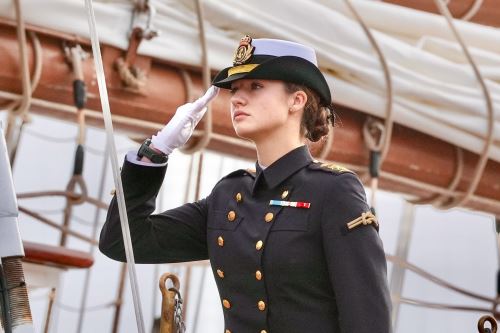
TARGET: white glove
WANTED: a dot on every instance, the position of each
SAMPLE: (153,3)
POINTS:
(179,129)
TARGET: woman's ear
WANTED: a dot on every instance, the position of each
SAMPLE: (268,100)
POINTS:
(299,99)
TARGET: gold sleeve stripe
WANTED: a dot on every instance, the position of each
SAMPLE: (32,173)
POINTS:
(241,69)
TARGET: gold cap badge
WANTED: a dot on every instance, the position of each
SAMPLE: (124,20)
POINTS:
(244,51)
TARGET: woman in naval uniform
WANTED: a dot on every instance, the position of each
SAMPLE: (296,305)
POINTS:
(292,245)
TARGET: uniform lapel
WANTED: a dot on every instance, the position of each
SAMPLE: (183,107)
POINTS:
(281,169)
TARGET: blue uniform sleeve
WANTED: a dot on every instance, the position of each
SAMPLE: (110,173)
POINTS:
(356,260)
(175,235)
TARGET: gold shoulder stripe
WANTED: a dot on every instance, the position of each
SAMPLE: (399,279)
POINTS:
(252,171)
(335,167)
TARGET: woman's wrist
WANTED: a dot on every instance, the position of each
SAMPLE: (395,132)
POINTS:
(146,159)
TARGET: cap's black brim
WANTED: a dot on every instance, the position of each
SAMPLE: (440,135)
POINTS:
(287,68)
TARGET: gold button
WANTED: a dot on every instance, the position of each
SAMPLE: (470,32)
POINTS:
(220,241)
(269,217)
(238,197)
(231,216)
(258,275)
(259,245)
(262,305)
(284,194)
(228,331)
(226,303)
(113,192)
(263,331)
(220,273)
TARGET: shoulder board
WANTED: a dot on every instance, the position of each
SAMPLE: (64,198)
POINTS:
(239,173)
(329,167)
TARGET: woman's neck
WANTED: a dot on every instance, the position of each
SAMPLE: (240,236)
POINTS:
(270,150)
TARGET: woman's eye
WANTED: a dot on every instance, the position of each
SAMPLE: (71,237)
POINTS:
(232,91)
(256,85)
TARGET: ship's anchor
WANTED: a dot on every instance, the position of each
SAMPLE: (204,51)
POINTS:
(171,306)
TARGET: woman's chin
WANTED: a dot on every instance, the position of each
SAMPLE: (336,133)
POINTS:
(244,133)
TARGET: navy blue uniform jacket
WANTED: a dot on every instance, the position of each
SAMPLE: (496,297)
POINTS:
(278,269)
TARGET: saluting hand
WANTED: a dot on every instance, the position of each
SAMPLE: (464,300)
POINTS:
(179,129)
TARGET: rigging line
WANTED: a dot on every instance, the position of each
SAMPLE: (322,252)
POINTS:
(49,138)
(70,308)
(472,10)
(23,56)
(411,301)
(20,108)
(76,57)
(68,194)
(85,289)
(56,226)
(203,142)
(378,153)
(188,84)
(37,73)
(388,80)
(114,163)
(440,282)
(484,156)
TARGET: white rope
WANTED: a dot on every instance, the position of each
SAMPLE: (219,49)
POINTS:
(484,155)
(472,10)
(114,164)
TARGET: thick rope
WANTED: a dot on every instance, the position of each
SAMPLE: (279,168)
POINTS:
(483,159)
(188,85)
(136,80)
(20,108)
(473,9)
(388,123)
(114,163)
(37,72)
(23,56)
(203,142)
(379,152)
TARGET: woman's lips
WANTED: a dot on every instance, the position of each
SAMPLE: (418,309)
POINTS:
(239,115)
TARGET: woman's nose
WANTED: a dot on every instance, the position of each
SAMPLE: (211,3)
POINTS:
(238,98)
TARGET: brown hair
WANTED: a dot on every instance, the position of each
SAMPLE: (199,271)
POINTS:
(314,123)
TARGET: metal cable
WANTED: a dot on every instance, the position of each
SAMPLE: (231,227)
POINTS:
(114,163)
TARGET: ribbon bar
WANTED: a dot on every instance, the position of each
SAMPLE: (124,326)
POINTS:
(298,204)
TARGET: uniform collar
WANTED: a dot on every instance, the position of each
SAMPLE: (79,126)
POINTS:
(284,167)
